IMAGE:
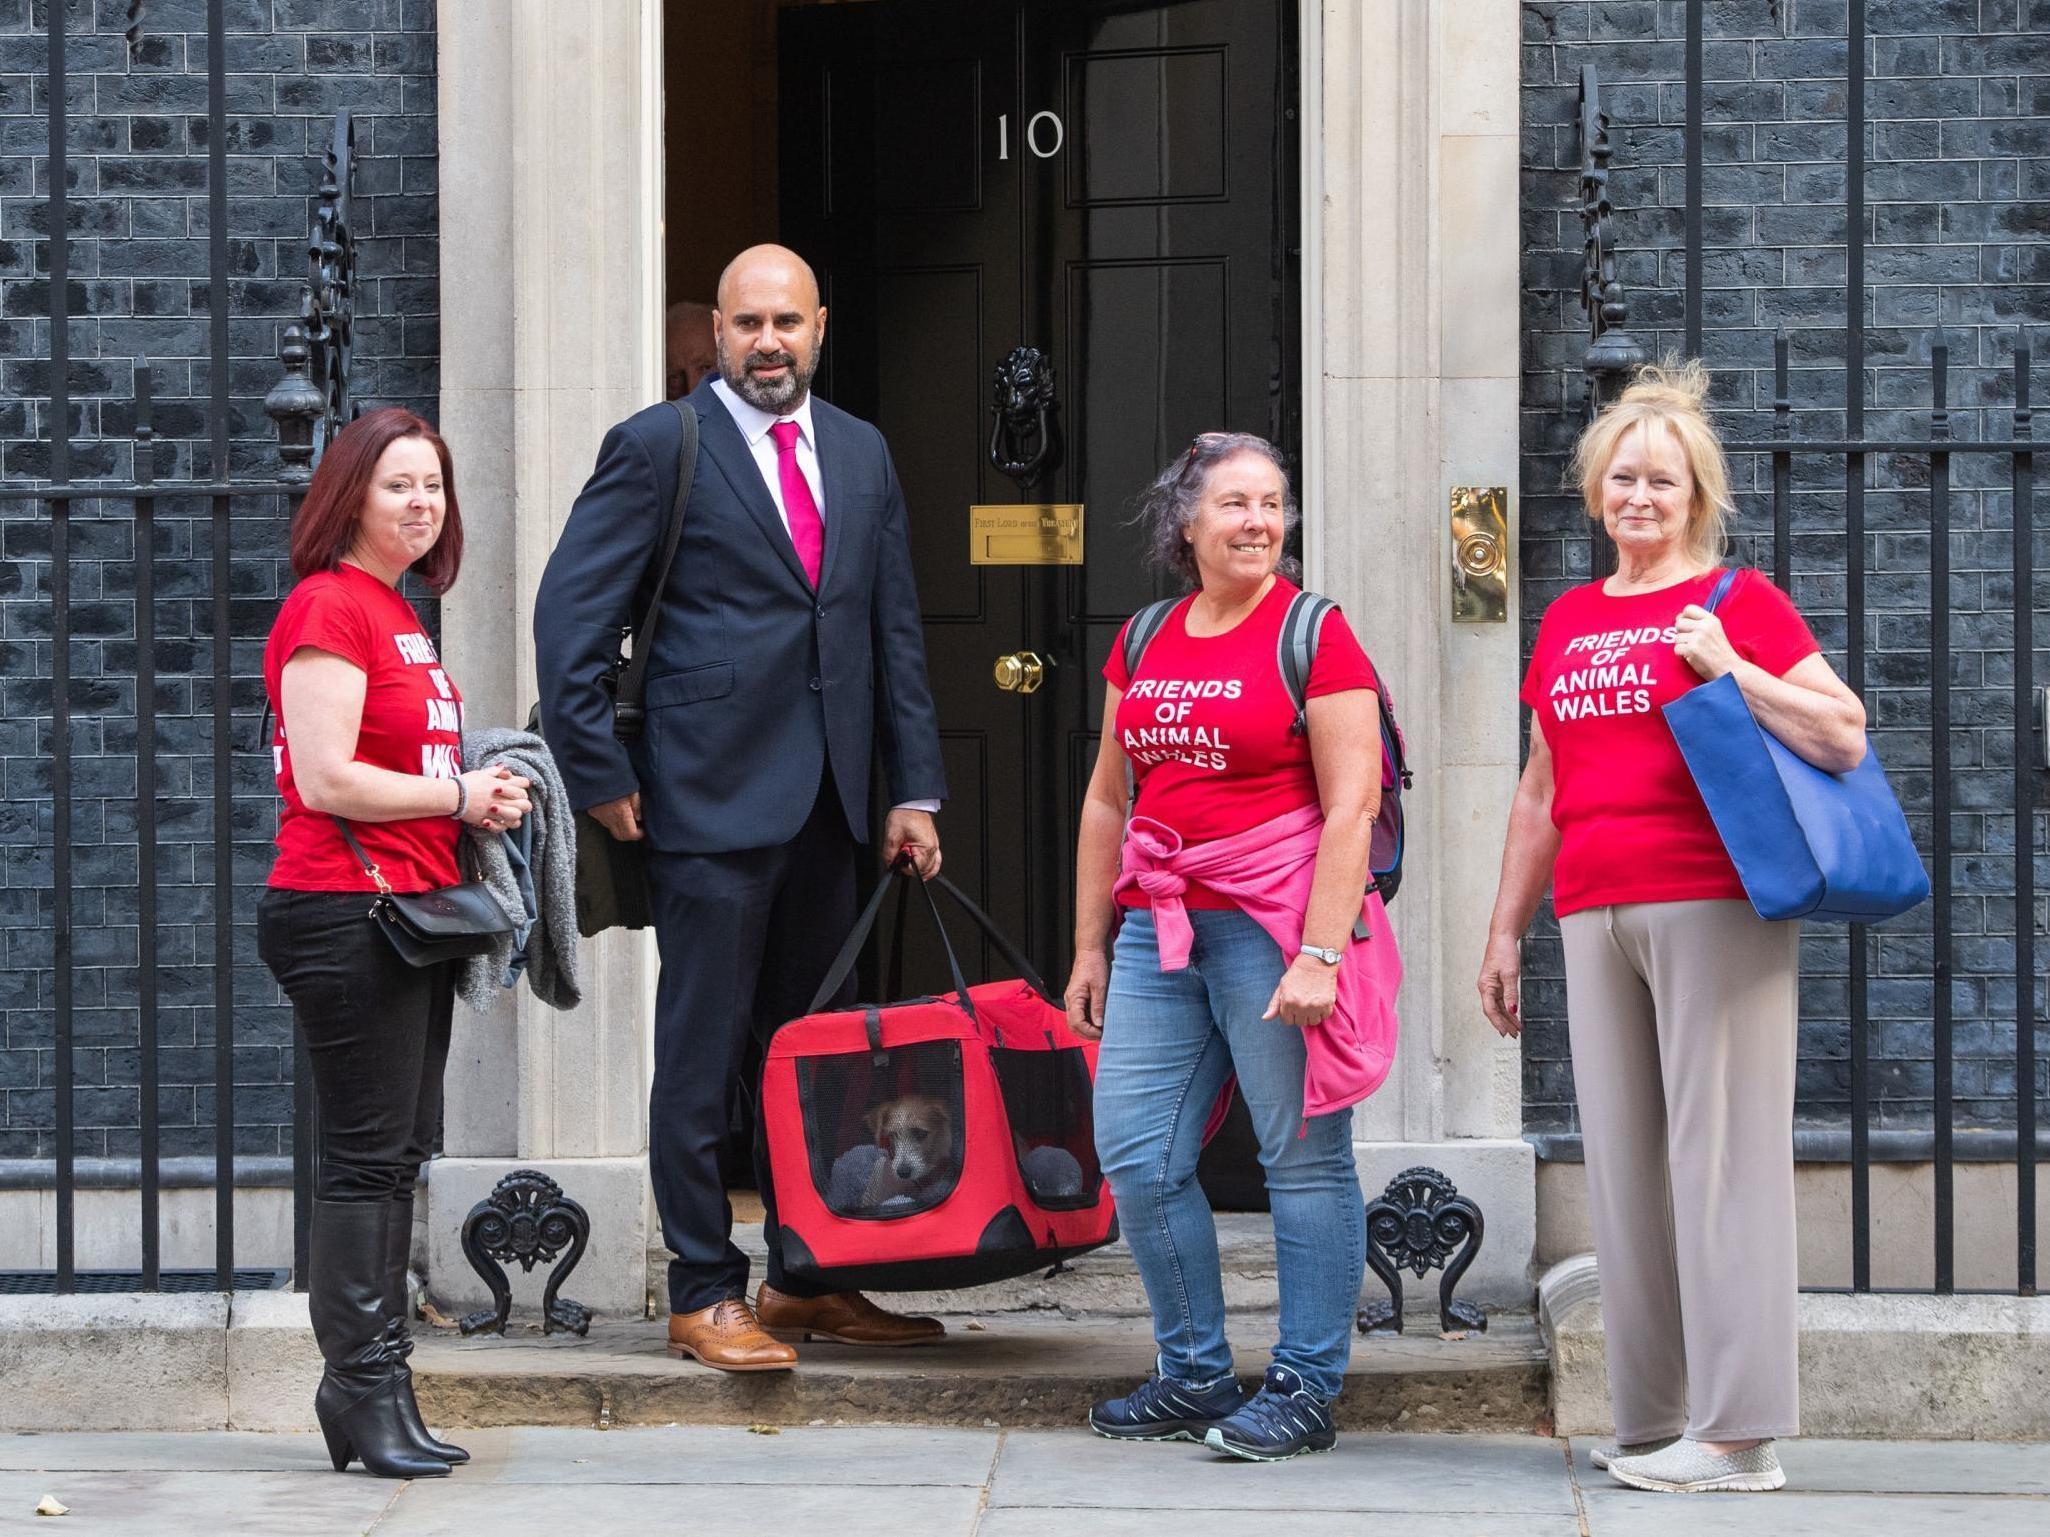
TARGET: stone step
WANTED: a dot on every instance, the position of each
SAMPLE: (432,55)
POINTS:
(1103,1283)
(1011,1369)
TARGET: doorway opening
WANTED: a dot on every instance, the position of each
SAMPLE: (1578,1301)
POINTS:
(1113,184)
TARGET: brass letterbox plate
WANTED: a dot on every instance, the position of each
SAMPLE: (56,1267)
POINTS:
(1480,554)
(1025,534)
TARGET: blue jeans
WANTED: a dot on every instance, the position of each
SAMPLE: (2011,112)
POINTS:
(1170,1040)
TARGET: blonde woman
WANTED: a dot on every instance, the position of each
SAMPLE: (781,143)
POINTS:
(1681,1001)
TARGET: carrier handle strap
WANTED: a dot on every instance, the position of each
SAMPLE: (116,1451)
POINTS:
(893,978)
(999,941)
(946,940)
(843,963)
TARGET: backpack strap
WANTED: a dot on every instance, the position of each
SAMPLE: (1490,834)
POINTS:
(1139,635)
(1295,654)
(627,714)
(1140,632)
(1391,740)
(1296,651)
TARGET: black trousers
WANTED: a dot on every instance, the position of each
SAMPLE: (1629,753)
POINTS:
(376,1032)
(745,939)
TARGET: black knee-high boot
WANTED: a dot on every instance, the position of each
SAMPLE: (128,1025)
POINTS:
(398,1313)
(358,1399)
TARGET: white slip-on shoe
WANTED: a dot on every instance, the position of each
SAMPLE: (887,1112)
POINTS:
(1687,1467)
(1602,1456)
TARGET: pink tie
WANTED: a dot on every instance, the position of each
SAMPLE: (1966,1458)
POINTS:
(806,531)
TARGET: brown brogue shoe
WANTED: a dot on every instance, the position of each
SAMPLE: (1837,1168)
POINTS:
(726,1335)
(845,1317)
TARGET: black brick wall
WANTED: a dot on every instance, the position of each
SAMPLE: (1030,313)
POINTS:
(140,286)
(1958,191)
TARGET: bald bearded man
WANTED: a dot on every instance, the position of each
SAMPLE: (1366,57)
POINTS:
(788,649)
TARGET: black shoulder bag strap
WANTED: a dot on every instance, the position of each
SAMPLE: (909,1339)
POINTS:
(464,859)
(627,714)
(363,859)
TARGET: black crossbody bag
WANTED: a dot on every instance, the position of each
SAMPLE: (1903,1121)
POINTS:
(428,927)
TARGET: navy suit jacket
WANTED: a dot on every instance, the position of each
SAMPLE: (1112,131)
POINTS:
(757,686)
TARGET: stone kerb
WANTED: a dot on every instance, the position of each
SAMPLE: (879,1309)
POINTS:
(119,1362)
(157,1361)
(1911,1366)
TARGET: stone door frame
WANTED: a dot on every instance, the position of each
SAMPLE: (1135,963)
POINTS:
(552,220)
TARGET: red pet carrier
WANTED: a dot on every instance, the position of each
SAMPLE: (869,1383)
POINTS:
(933,1142)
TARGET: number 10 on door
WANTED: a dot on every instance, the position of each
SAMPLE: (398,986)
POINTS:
(1040,128)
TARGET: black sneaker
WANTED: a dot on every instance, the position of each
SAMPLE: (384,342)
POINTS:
(1161,1410)
(1284,1419)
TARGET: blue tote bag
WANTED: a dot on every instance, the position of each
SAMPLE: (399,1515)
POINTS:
(1807,844)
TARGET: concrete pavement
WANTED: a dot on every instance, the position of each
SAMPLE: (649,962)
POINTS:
(936,1482)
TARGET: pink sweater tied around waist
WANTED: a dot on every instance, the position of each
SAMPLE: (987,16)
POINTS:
(1267,871)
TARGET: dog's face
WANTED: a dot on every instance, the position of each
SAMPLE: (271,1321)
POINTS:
(917,1133)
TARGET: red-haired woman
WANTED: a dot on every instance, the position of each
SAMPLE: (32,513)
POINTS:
(369,730)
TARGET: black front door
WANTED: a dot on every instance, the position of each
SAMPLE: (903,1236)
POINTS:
(1114,185)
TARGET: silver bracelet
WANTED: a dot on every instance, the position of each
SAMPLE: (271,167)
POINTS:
(462,801)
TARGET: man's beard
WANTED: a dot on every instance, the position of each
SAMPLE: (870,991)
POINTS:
(777,396)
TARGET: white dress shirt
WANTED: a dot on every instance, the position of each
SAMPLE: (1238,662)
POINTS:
(754,424)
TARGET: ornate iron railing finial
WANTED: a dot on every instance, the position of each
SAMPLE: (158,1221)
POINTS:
(295,405)
(1612,353)
(1419,1223)
(526,1220)
(311,401)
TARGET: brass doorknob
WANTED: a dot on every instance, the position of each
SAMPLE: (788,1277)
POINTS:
(1020,673)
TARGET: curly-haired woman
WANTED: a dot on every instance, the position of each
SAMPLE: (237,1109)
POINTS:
(1239,879)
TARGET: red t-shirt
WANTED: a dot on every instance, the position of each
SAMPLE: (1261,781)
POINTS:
(1206,723)
(1632,827)
(412,724)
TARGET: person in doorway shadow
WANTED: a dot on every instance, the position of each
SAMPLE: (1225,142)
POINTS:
(690,351)
(789,647)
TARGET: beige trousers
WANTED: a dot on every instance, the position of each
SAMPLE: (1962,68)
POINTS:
(1683,1018)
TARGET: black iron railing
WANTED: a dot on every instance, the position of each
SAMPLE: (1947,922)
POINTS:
(1748,436)
(311,397)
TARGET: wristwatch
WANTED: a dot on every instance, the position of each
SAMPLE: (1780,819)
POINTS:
(1328,957)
